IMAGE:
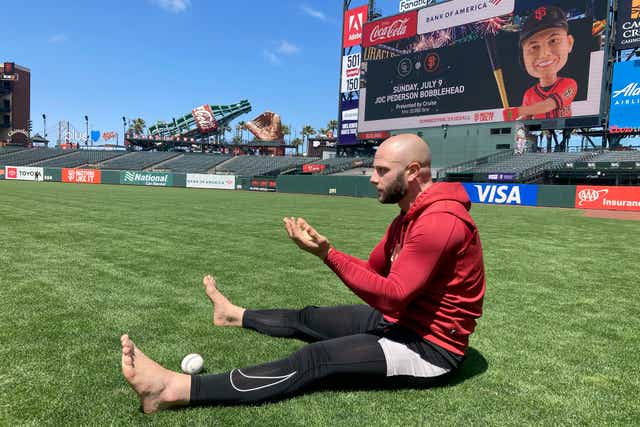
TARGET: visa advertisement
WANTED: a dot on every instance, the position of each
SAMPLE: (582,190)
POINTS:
(502,194)
(475,62)
(625,97)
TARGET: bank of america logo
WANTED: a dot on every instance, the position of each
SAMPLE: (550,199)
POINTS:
(495,2)
(129,176)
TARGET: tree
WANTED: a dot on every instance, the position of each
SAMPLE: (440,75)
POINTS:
(224,129)
(333,126)
(307,131)
(286,130)
(297,142)
(240,127)
(137,126)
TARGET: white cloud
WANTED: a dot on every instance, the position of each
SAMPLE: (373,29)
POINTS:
(58,38)
(175,6)
(271,56)
(314,13)
(287,48)
(283,48)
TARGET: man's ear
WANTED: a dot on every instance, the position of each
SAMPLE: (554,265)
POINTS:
(414,170)
(571,41)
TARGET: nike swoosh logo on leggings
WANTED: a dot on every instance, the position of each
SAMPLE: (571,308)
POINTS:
(258,382)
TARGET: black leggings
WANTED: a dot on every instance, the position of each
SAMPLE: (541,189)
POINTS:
(344,340)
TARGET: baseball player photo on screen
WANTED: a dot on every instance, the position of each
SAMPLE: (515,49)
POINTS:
(499,61)
(545,43)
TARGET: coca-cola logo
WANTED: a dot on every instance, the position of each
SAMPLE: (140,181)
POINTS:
(397,28)
(204,118)
(590,195)
(390,29)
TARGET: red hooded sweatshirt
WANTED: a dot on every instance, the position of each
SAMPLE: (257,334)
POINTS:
(427,272)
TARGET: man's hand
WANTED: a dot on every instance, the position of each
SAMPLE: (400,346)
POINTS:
(306,237)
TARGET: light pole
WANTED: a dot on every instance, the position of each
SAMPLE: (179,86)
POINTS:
(124,129)
(44,124)
(86,122)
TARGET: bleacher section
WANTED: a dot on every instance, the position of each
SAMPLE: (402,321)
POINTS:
(263,165)
(617,156)
(31,156)
(5,151)
(521,167)
(80,158)
(138,160)
(341,164)
(193,163)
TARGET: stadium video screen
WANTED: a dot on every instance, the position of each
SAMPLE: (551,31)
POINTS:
(463,62)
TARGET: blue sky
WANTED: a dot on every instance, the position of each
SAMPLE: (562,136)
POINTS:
(158,59)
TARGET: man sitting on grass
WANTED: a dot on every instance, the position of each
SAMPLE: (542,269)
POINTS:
(423,286)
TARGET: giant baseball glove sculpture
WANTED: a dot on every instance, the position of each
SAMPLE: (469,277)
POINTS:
(266,127)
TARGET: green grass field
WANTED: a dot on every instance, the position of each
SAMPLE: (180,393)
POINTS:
(81,264)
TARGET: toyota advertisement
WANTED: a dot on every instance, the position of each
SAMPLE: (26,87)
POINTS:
(23,173)
(462,62)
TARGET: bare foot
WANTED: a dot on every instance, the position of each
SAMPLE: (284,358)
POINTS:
(158,388)
(224,313)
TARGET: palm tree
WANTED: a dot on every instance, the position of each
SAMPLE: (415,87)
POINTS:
(307,130)
(137,126)
(286,130)
(333,126)
(225,128)
(240,127)
(297,142)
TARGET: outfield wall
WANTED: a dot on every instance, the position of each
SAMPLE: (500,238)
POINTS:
(565,196)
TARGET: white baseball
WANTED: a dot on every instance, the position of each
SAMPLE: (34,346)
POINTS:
(192,363)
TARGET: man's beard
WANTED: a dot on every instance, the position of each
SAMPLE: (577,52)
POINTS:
(396,191)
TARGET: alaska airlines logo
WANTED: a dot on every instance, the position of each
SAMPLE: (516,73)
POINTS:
(501,194)
(589,195)
(632,89)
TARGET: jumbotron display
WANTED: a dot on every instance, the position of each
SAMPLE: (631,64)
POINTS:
(463,62)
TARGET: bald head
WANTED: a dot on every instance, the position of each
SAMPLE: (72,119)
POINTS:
(404,149)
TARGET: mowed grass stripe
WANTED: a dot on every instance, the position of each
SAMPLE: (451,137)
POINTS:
(82,263)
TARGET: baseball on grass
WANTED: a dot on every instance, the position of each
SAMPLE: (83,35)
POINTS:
(192,364)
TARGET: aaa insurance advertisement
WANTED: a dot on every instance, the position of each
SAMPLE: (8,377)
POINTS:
(483,61)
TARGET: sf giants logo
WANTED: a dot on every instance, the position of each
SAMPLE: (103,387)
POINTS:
(540,13)
(589,195)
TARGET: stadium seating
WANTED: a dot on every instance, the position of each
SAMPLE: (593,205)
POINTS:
(518,164)
(80,158)
(5,151)
(263,165)
(617,156)
(341,164)
(193,163)
(31,156)
(139,160)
